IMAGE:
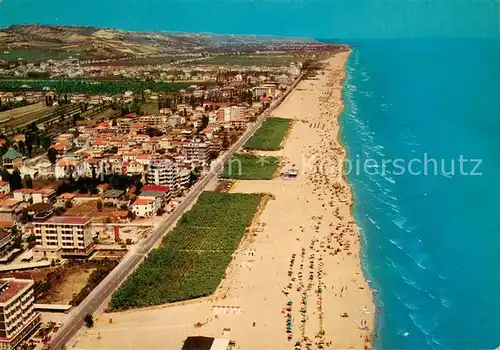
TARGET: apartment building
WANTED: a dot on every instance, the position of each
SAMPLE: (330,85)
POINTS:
(144,207)
(184,177)
(266,89)
(154,119)
(197,150)
(163,172)
(44,195)
(18,317)
(63,236)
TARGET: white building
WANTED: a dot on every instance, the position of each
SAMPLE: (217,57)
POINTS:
(197,150)
(63,235)
(65,167)
(184,177)
(144,207)
(163,172)
(44,195)
(237,112)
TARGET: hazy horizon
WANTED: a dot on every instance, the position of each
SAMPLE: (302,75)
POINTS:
(316,19)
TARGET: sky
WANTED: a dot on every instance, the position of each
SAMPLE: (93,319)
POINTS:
(321,19)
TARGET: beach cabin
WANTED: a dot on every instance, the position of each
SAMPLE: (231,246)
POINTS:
(290,174)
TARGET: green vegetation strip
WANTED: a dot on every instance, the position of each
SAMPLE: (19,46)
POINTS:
(34,55)
(192,259)
(250,167)
(268,60)
(270,135)
(90,87)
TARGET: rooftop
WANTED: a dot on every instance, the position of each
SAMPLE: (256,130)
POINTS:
(9,288)
(155,188)
(69,220)
(113,194)
(142,201)
(12,154)
(151,194)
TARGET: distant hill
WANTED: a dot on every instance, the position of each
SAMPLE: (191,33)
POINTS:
(107,43)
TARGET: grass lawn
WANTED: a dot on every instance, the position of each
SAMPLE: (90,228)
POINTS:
(250,167)
(193,257)
(270,135)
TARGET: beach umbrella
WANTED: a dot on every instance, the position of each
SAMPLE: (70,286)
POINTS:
(289,302)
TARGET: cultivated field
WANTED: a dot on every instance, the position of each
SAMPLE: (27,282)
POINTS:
(267,60)
(26,113)
(35,55)
(193,257)
(250,167)
(270,135)
(90,86)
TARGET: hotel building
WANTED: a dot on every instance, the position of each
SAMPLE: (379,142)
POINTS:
(63,236)
(18,317)
(197,150)
(163,172)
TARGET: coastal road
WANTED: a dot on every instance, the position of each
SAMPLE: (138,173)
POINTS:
(95,300)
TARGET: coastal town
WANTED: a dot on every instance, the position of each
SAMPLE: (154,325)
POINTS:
(102,156)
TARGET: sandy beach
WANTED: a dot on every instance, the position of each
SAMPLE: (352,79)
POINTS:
(298,268)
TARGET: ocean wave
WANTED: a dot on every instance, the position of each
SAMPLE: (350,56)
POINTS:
(425,323)
(413,284)
(385,107)
(373,222)
(400,222)
(393,206)
(390,179)
(446,303)
(408,305)
(397,244)
(373,148)
(392,263)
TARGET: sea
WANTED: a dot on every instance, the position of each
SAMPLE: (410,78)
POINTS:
(421,124)
(429,215)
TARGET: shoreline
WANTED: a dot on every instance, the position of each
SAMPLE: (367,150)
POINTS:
(375,320)
(250,304)
(364,269)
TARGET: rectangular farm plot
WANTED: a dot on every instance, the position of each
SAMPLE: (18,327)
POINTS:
(193,257)
(270,135)
(250,167)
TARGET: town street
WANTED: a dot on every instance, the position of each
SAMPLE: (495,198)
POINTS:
(134,257)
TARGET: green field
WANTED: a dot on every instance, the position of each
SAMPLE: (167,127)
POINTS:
(250,167)
(90,87)
(35,55)
(270,135)
(193,257)
(267,60)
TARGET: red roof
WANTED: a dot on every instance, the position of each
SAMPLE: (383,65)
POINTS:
(142,201)
(14,287)
(24,190)
(155,188)
(6,223)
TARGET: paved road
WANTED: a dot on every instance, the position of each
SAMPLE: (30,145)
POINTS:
(134,257)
